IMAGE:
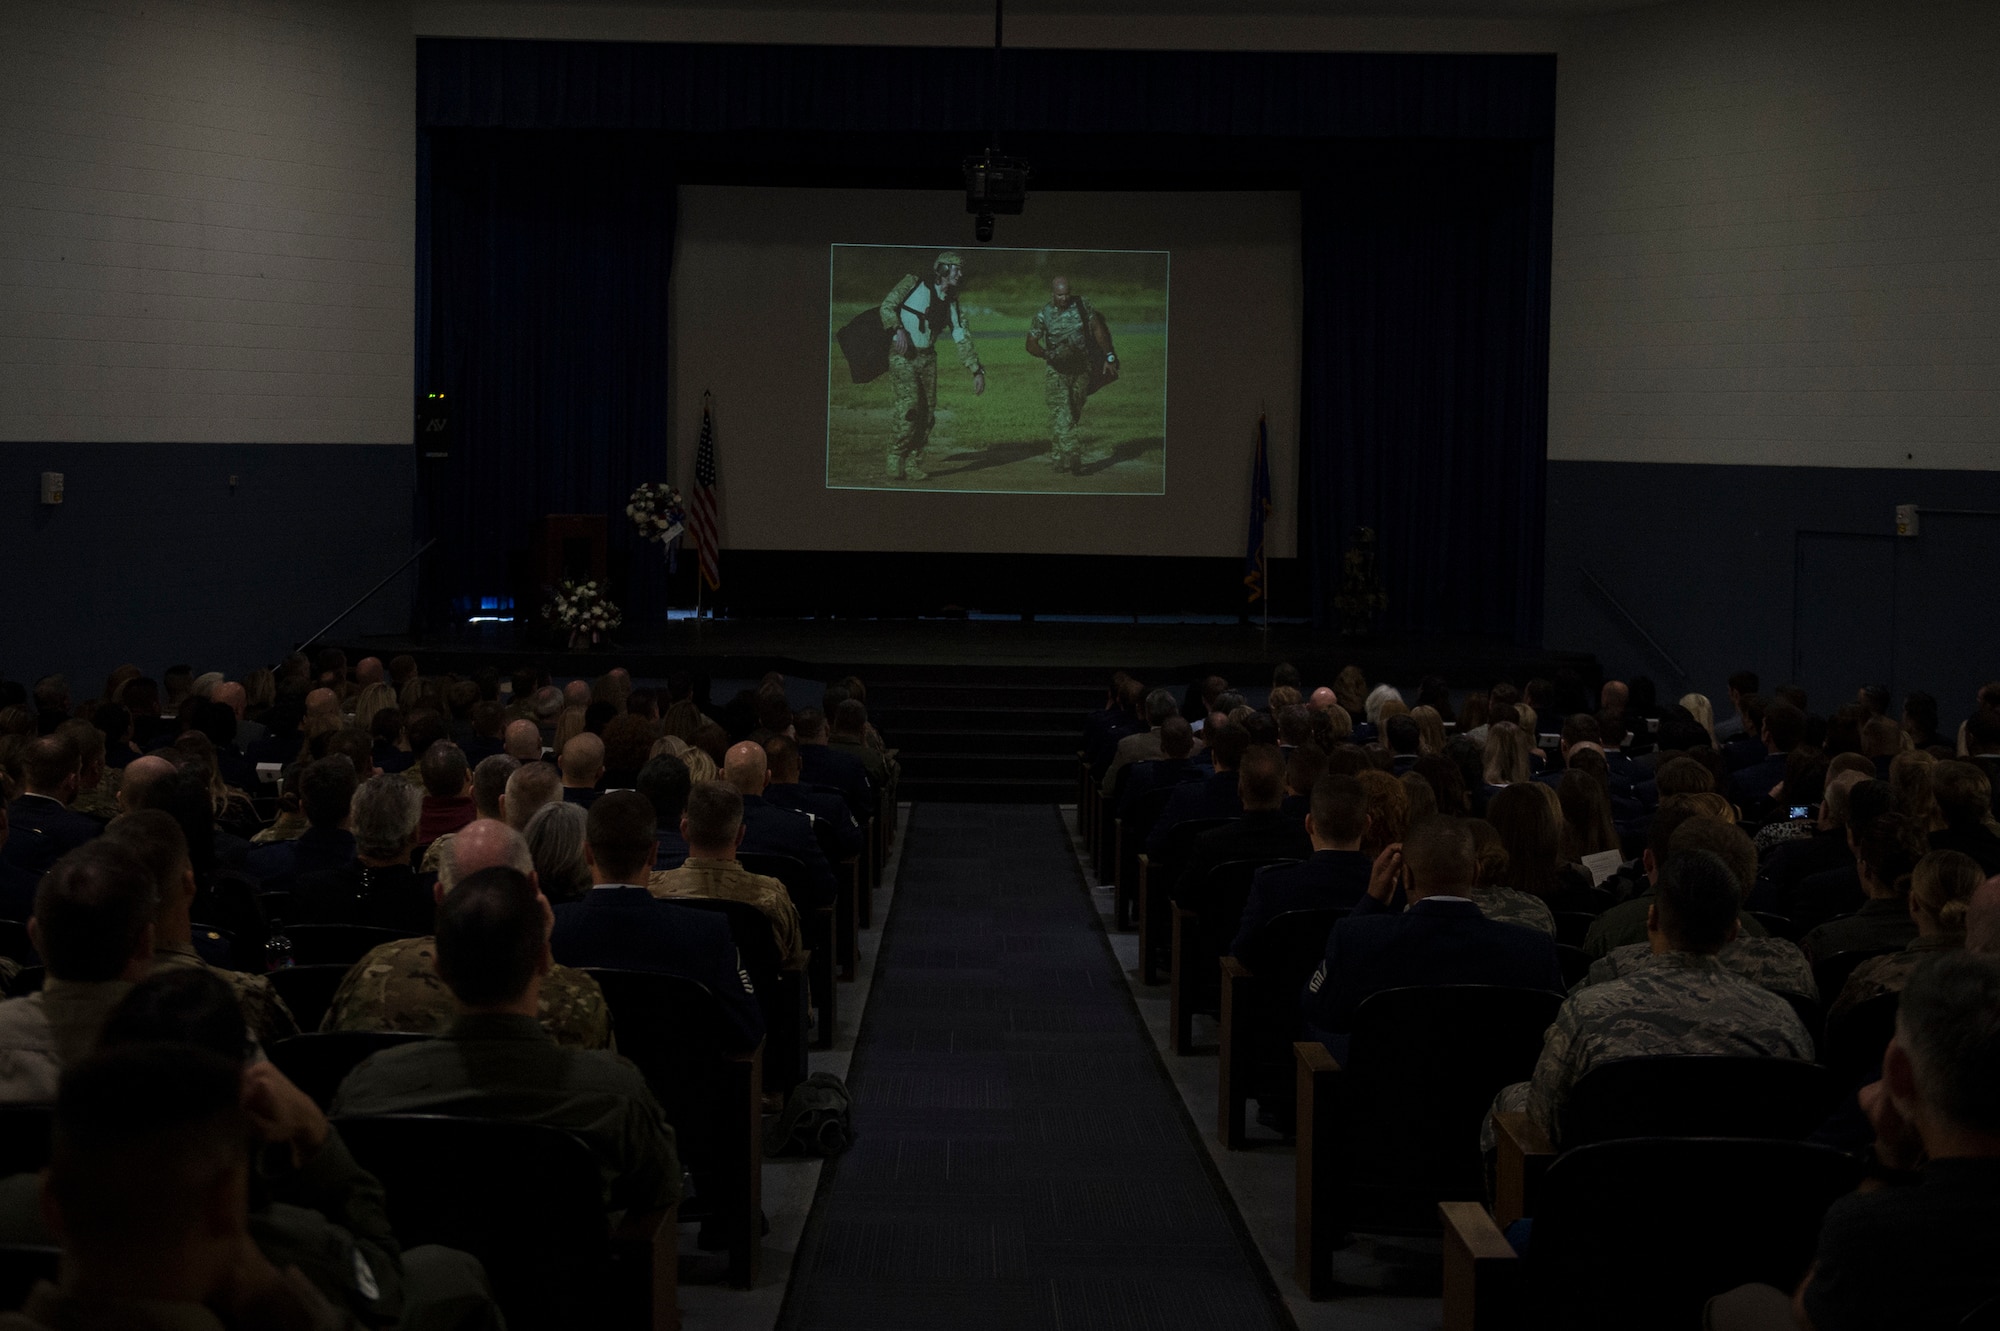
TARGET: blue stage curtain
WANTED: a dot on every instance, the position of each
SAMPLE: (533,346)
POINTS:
(542,282)
(546,216)
(1425,384)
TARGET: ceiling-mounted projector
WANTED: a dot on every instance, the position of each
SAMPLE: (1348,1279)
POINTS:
(994,184)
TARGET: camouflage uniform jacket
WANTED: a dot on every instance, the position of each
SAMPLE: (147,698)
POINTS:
(910,307)
(101,800)
(1509,905)
(1064,334)
(434,853)
(396,987)
(1769,963)
(43,1032)
(1673,1003)
(264,1012)
(287,827)
(726,880)
(1888,975)
(876,762)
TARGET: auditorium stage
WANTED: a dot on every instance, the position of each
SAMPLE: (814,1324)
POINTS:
(1074,649)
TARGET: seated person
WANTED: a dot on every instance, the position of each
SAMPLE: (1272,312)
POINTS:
(1264,832)
(665,783)
(620,925)
(1941,890)
(1911,1248)
(712,826)
(489,800)
(1442,938)
(379,888)
(771,830)
(93,926)
(1148,745)
(1772,963)
(840,836)
(821,764)
(157,841)
(1964,797)
(41,826)
(1216,796)
(1175,765)
(582,766)
(1680,1001)
(1784,866)
(1335,876)
(447,785)
(147,1194)
(326,792)
(1626,922)
(1886,851)
(529,786)
(496,1060)
(555,837)
(397,986)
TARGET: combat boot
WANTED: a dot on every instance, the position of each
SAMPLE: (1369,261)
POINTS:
(894,464)
(912,472)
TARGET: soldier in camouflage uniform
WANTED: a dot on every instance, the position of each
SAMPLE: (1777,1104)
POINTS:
(1768,963)
(1069,338)
(1512,906)
(1679,1000)
(916,312)
(264,1012)
(397,987)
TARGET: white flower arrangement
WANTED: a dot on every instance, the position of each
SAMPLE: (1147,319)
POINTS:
(657,511)
(583,609)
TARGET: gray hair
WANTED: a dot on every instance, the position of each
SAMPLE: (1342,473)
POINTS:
(384,816)
(1161,704)
(1948,1020)
(555,839)
(1378,695)
(548,702)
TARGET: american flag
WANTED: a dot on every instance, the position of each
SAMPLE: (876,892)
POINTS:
(705,507)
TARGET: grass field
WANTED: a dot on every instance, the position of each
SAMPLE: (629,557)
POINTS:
(1000,442)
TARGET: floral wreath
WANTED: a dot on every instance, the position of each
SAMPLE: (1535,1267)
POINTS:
(583,609)
(658,514)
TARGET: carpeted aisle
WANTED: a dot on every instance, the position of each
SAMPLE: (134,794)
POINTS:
(1021,1159)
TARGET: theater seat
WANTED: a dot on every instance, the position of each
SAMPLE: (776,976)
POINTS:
(1260,1011)
(336,944)
(318,1061)
(308,990)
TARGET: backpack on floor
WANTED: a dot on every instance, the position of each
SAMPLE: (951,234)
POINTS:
(815,1120)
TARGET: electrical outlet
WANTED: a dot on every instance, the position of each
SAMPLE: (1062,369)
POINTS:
(1906,519)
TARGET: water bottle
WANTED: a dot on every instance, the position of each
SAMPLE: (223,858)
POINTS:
(278,949)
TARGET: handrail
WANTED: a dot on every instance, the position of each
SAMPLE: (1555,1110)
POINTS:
(1633,624)
(363,598)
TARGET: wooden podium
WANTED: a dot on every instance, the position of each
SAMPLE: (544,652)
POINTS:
(570,545)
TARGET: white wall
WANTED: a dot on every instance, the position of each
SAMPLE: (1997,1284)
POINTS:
(207,220)
(1776,238)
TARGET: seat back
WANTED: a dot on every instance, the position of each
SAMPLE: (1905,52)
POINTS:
(22,1266)
(336,944)
(1855,1039)
(308,991)
(319,1061)
(1423,1067)
(24,1138)
(1572,926)
(1575,963)
(1226,891)
(1776,925)
(1287,948)
(1681,1219)
(1830,972)
(14,943)
(446,1183)
(787,869)
(29,981)
(672,1028)
(756,945)
(1697,1096)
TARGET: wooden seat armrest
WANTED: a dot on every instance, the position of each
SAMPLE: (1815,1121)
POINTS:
(1314,1058)
(1522,1155)
(657,1235)
(1481,1270)
(1234,971)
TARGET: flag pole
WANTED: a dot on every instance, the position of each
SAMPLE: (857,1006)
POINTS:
(1264,416)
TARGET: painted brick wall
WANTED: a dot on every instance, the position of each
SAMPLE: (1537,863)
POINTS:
(207,220)
(1775,238)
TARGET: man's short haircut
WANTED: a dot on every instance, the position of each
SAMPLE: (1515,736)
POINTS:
(1964,794)
(353,744)
(1698,900)
(1339,807)
(714,813)
(156,840)
(187,1005)
(1948,1021)
(423,727)
(621,833)
(582,758)
(781,759)
(489,782)
(444,770)
(1611,729)
(490,936)
(1161,704)
(1303,769)
(326,791)
(1402,733)
(48,761)
(1667,819)
(1228,741)
(487,719)
(1440,852)
(1582,728)
(1176,737)
(87,739)
(850,718)
(1786,724)
(384,816)
(809,723)
(627,741)
(143,1133)
(1726,841)
(1261,777)
(91,910)
(529,787)
(1682,775)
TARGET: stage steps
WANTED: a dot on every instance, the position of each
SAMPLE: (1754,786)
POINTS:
(986,734)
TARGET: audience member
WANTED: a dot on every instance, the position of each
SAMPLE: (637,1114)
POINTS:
(489,800)
(496,1059)
(769,829)
(555,837)
(529,787)
(712,826)
(447,782)
(582,765)
(1146,745)
(665,782)
(1264,832)
(378,888)
(821,764)
(522,741)
(1530,837)
(1335,875)
(1964,797)
(1217,796)
(1886,851)
(1627,922)
(839,836)
(1942,887)
(42,828)
(326,796)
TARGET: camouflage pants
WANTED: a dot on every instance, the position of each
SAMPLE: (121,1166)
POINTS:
(1064,394)
(913,382)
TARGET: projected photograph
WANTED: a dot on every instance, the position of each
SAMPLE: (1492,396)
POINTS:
(1005,371)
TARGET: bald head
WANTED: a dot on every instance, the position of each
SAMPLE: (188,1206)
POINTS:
(368,671)
(322,701)
(531,786)
(1613,696)
(140,774)
(231,695)
(1323,698)
(484,844)
(746,768)
(523,740)
(582,760)
(1059,292)
(577,691)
